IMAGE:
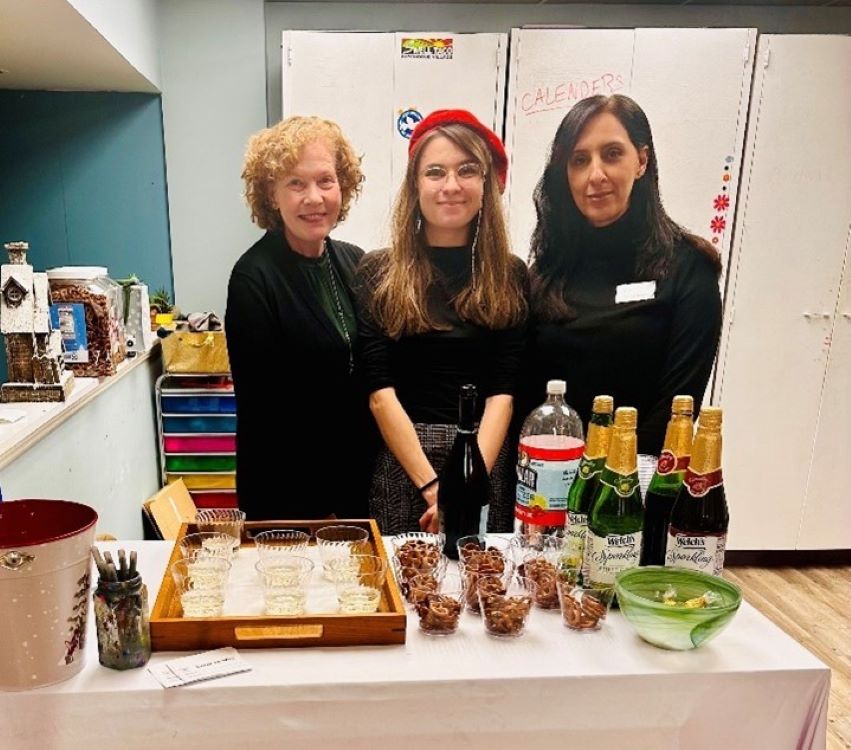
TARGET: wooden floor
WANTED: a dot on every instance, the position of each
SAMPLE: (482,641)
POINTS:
(813,605)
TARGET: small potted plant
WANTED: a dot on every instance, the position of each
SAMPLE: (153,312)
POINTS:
(162,308)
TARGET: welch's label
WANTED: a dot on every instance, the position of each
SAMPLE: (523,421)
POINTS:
(574,537)
(696,551)
(609,555)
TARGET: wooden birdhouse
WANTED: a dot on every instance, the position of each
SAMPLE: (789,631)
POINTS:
(33,350)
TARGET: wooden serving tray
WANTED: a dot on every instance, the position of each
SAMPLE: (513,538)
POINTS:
(171,632)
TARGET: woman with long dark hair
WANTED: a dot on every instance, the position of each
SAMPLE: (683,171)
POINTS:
(444,305)
(625,301)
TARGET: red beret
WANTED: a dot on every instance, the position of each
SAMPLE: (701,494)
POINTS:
(463,117)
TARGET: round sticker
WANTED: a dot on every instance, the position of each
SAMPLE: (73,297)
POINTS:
(407,121)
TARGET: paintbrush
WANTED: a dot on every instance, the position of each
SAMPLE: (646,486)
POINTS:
(122,563)
(99,562)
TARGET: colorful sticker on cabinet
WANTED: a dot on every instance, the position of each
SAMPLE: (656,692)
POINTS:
(721,202)
(427,49)
(407,121)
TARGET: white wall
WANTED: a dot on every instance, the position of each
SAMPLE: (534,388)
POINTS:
(214,98)
(105,455)
(130,26)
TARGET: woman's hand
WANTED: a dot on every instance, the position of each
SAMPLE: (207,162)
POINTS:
(429,520)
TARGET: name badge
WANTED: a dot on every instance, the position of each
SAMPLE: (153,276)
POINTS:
(636,292)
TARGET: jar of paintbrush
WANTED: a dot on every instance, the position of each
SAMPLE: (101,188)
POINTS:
(121,612)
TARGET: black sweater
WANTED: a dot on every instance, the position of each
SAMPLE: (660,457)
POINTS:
(292,384)
(641,352)
(427,370)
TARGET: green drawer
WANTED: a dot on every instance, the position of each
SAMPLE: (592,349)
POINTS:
(200,463)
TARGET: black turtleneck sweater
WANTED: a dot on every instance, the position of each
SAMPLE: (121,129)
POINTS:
(641,352)
(427,370)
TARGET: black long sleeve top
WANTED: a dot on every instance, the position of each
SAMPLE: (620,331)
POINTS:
(293,384)
(427,370)
(642,350)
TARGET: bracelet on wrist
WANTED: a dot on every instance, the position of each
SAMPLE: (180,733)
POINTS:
(428,484)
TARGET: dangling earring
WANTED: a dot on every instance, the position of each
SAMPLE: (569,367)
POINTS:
(473,249)
(418,225)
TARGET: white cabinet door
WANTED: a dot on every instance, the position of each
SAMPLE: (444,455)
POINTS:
(788,253)
(826,522)
(694,85)
(348,78)
(467,72)
(377,86)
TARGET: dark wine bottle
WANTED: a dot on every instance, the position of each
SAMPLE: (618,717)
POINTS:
(667,480)
(697,535)
(463,492)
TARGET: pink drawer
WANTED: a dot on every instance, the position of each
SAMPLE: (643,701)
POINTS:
(199,443)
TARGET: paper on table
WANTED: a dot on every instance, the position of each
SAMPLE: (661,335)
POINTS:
(199,667)
(11,415)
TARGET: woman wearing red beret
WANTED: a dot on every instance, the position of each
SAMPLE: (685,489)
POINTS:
(444,305)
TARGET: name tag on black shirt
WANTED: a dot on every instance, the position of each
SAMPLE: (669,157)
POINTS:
(640,290)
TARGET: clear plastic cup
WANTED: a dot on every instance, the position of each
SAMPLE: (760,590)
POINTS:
(539,567)
(431,567)
(201,572)
(361,589)
(439,609)
(224,520)
(278,542)
(200,582)
(212,543)
(285,582)
(487,545)
(505,614)
(583,607)
(549,546)
(201,602)
(483,568)
(337,543)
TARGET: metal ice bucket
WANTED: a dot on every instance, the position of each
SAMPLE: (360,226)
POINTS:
(44,590)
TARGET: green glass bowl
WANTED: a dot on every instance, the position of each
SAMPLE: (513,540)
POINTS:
(675,628)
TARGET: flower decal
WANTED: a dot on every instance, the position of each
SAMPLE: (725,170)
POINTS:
(721,202)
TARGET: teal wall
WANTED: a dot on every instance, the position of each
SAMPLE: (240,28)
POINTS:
(82,179)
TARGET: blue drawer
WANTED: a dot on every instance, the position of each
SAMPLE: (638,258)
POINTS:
(225,404)
(199,424)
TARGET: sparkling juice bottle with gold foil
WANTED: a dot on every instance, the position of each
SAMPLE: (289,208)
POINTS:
(667,480)
(587,477)
(613,541)
(697,535)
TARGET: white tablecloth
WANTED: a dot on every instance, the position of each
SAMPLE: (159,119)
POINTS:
(752,687)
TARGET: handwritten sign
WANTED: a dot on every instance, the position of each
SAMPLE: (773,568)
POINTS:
(546,98)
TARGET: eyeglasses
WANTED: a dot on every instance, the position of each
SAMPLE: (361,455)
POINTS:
(466,172)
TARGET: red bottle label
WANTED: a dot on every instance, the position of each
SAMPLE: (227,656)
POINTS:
(699,484)
(668,463)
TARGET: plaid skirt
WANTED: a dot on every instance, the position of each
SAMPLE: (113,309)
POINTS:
(397,506)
